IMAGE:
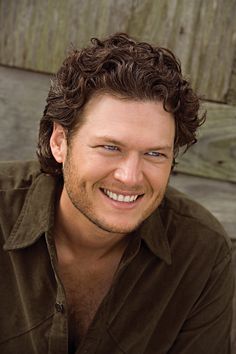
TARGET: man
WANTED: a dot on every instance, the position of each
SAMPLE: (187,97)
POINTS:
(99,255)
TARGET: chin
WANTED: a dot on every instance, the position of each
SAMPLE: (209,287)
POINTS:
(120,225)
(118,228)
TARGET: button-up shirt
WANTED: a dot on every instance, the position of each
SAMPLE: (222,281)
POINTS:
(172,292)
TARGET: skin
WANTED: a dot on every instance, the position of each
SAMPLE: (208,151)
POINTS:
(124,146)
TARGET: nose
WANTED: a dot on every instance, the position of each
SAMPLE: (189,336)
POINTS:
(129,171)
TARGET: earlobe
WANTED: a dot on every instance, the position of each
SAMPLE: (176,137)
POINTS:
(58,143)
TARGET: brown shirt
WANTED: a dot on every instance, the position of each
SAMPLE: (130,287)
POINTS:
(172,292)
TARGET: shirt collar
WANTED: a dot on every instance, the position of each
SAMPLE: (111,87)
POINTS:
(153,233)
(36,216)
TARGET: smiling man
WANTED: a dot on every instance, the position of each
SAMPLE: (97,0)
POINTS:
(115,174)
(99,254)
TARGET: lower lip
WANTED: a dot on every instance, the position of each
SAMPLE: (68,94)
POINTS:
(122,205)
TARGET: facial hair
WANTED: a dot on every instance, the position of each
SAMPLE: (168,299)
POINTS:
(80,199)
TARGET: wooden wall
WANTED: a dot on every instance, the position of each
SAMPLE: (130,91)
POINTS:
(36,35)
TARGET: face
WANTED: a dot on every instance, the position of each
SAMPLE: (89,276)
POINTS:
(117,165)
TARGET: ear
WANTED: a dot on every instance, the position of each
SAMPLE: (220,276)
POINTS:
(58,143)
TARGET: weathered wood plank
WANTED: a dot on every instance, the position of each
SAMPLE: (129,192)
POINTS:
(217,196)
(231,95)
(36,34)
(199,32)
(215,153)
(22,100)
(233,331)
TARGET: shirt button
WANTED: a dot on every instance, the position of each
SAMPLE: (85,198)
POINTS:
(59,307)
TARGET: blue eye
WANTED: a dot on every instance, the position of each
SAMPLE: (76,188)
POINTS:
(110,147)
(154,154)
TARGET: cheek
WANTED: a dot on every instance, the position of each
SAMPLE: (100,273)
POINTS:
(87,174)
(159,175)
(97,168)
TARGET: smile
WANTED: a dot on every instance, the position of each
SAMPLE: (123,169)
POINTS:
(120,197)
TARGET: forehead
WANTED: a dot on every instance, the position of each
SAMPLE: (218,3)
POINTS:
(124,119)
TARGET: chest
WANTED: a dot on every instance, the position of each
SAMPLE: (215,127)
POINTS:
(85,289)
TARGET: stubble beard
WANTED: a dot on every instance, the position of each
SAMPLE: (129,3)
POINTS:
(76,191)
(81,203)
(80,200)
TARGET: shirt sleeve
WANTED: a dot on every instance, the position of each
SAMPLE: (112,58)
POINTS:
(207,328)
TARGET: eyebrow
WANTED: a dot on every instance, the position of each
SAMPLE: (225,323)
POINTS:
(113,141)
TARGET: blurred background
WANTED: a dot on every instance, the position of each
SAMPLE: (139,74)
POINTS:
(35,37)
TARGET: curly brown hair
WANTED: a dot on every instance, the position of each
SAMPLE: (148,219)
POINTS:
(125,67)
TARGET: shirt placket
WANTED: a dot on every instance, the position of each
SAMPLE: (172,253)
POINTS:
(91,342)
(58,337)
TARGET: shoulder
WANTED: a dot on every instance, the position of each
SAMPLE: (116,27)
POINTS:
(193,224)
(16,179)
(17,174)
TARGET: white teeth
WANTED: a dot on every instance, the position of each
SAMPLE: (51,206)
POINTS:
(120,197)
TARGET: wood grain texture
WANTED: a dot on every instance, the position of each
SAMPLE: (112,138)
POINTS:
(37,34)
(233,330)
(231,95)
(216,196)
(200,33)
(214,156)
(22,100)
